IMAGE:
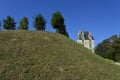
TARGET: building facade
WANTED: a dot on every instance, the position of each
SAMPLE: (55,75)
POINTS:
(86,39)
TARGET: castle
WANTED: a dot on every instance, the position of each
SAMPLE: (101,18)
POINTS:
(85,38)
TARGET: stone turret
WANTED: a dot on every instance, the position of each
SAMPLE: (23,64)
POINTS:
(85,38)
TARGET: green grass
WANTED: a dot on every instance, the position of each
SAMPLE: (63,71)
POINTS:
(36,55)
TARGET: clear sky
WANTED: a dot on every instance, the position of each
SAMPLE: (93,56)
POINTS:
(101,17)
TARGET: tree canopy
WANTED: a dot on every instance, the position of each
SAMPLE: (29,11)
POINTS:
(109,48)
(23,24)
(39,22)
(9,23)
(57,22)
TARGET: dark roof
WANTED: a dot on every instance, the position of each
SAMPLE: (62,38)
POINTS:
(86,35)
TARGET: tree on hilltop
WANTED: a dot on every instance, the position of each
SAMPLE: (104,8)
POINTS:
(39,22)
(9,23)
(57,22)
(23,24)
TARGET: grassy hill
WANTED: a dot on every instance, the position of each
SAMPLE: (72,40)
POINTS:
(36,55)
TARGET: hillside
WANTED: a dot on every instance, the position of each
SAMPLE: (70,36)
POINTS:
(36,55)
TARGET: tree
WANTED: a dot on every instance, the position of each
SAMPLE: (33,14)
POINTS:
(103,49)
(57,22)
(109,48)
(62,30)
(23,24)
(39,22)
(9,23)
(116,50)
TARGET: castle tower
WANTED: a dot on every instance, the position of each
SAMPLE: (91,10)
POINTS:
(85,38)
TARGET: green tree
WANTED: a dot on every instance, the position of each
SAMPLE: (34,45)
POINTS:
(57,22)
(9,23)
(62,30)
(108,48)
(103,48)
(39,22)
(116,50)
(23,24)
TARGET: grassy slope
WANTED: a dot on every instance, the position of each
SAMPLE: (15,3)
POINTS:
(35,55)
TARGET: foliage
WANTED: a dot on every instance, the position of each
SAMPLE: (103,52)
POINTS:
(62,30)
(9,23)
(39,22)
(103,48)
(116,50)
(37,55)
(109,48)
(23,25)
(57,22)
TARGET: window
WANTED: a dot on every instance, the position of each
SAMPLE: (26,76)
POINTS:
(90,45)
(90,40)
(82,41)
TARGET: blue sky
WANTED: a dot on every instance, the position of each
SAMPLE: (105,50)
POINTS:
(101,17)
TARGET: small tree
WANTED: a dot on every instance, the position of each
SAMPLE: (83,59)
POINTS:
(57,22)
(9,23)
(39,22)
(23,24)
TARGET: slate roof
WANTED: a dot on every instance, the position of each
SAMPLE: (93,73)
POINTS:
(86,35)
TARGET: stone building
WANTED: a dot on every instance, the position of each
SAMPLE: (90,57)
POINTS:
(85,38)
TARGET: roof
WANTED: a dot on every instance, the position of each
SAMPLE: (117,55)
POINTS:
(85,35)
